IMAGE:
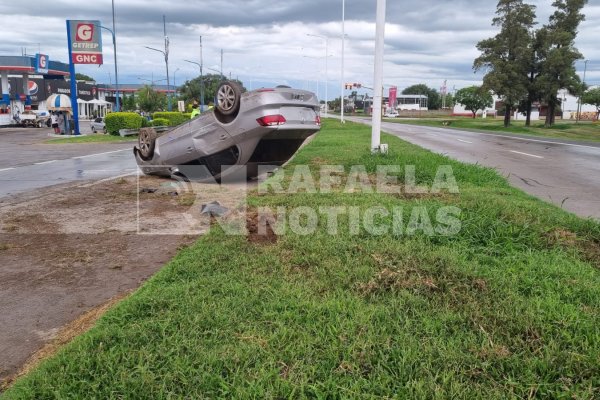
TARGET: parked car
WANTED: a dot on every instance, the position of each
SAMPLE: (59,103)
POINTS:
(261,127)
(391,113)
(98,125)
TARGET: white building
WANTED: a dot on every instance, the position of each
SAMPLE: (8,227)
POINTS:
(569,109)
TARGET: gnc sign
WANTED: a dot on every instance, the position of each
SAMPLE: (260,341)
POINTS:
(85,42)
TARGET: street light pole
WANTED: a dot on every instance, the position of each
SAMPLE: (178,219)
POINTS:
(581,93)
(167,59)
(174,82)
(221,62)
(114,37)
(200,66)
(326,68)
(201,78)
(343,45)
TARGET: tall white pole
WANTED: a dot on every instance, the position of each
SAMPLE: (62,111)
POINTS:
(326,75)
(343,45)
(378,78)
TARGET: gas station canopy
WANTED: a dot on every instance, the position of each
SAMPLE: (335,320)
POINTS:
(26,65)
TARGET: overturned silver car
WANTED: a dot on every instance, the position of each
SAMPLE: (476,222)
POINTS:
(260,127)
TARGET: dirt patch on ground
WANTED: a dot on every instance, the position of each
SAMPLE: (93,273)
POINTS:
(260,228)
(68,253)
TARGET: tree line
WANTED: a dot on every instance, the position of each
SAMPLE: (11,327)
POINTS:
(524,65)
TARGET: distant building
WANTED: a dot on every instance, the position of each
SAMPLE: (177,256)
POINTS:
(413,102)
(567,109)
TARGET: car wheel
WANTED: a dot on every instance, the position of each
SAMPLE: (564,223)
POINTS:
(39,124)
(228,97)
(93,129)
(147,142)
(105,131)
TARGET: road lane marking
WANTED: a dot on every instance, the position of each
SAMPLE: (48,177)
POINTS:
(7,169)
(464,141)
(45,162)
(99,154)
(525,154)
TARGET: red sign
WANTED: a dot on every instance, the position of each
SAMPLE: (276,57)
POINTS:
(85,42)
(85,58)
(84,33)
(393,96)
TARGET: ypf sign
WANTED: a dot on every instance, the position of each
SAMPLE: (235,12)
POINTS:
(85,40)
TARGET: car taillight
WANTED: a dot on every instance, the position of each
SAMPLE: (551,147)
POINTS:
(318,120)
(271,120)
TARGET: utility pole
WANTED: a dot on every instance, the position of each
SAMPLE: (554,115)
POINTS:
(114,37)
(343,43)
(221,62)
(581,93)
(378,78)
(167,59)
(165,53)
(201,79)
(201,66)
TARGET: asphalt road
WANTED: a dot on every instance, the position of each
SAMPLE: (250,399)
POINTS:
(561,172)
(27,163)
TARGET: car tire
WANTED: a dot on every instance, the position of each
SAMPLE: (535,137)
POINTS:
(105,131)
(228,98)
(146,143)
(93,129)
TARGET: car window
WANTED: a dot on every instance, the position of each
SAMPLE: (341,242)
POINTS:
(98,120)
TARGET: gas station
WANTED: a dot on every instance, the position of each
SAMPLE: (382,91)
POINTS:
(24,85)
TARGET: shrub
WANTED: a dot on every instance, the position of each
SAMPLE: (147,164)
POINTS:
(160,122)
(122,120)
(174,118)
(145,122)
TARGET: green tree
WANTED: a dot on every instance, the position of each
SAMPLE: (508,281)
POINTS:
(535,58)
(506,56)
(592,97)
(434,100)
(559,54)
(84,77)
(190,90)
(150,100)
(129,103)
(474,98)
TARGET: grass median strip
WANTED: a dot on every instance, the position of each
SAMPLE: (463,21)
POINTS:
(92,139)
(507,306)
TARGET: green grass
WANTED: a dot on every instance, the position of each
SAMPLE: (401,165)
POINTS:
(584,131)
(507,308)
(92,139)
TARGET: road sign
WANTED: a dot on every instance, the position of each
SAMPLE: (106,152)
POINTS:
(41,63)
(85,42)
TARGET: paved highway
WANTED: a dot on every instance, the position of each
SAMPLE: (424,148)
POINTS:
(27,163)
(564,173)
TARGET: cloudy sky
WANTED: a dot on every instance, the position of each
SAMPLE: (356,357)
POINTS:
(267,42)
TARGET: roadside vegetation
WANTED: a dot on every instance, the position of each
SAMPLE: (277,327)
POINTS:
(583,131)
(508,307)
(92,139)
